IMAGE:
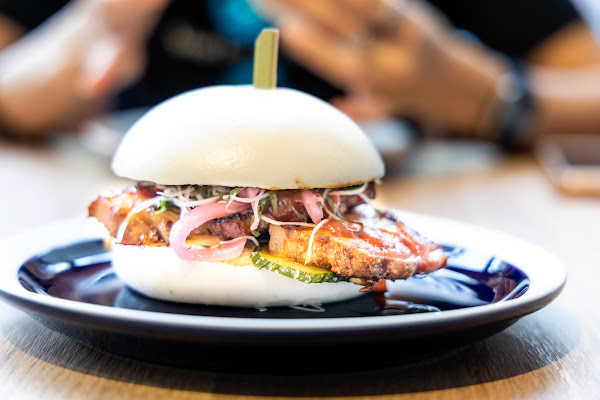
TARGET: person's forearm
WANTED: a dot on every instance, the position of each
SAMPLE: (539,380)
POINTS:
(465,100)
(32,106)
(39,77)
(565,100)
(58,75)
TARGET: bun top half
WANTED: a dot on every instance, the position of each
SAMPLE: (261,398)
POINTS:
(247,137)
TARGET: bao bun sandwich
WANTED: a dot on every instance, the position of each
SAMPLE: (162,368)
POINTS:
(254,198)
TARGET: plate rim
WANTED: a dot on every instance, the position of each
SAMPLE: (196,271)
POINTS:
(548,278)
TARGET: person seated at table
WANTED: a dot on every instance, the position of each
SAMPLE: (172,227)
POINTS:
(506,71)
(65,61)
(380,58)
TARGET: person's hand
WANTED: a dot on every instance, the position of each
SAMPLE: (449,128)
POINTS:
(114,49)
(390,57)
(70,66)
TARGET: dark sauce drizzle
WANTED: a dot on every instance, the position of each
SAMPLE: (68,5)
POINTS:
(82,272)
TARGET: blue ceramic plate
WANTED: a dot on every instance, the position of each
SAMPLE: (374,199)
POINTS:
(61,274)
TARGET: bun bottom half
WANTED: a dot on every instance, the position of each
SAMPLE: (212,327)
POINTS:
(158,273)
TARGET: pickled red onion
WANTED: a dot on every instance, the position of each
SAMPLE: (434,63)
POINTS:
(250,196)
(309,200)
(196,217)
(220,252)
(249,192)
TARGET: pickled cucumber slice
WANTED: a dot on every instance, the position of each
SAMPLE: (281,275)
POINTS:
(300,272)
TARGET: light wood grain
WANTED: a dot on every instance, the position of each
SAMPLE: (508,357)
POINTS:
(551,354)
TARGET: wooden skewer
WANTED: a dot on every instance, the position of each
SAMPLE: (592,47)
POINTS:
(265,59)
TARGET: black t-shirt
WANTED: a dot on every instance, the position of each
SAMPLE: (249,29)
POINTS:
(513,27)
(207,42)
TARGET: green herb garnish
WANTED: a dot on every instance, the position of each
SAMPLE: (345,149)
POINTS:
(232,194)
(332,205)
(300,216)
(163,206)
(262,204)
(273,199)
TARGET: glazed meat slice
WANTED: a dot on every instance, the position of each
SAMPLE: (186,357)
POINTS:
(230,227)
(151,227)
(385,250)
(146,227)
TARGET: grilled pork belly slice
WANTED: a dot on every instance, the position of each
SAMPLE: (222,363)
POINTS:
(150,227)
(386,249)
